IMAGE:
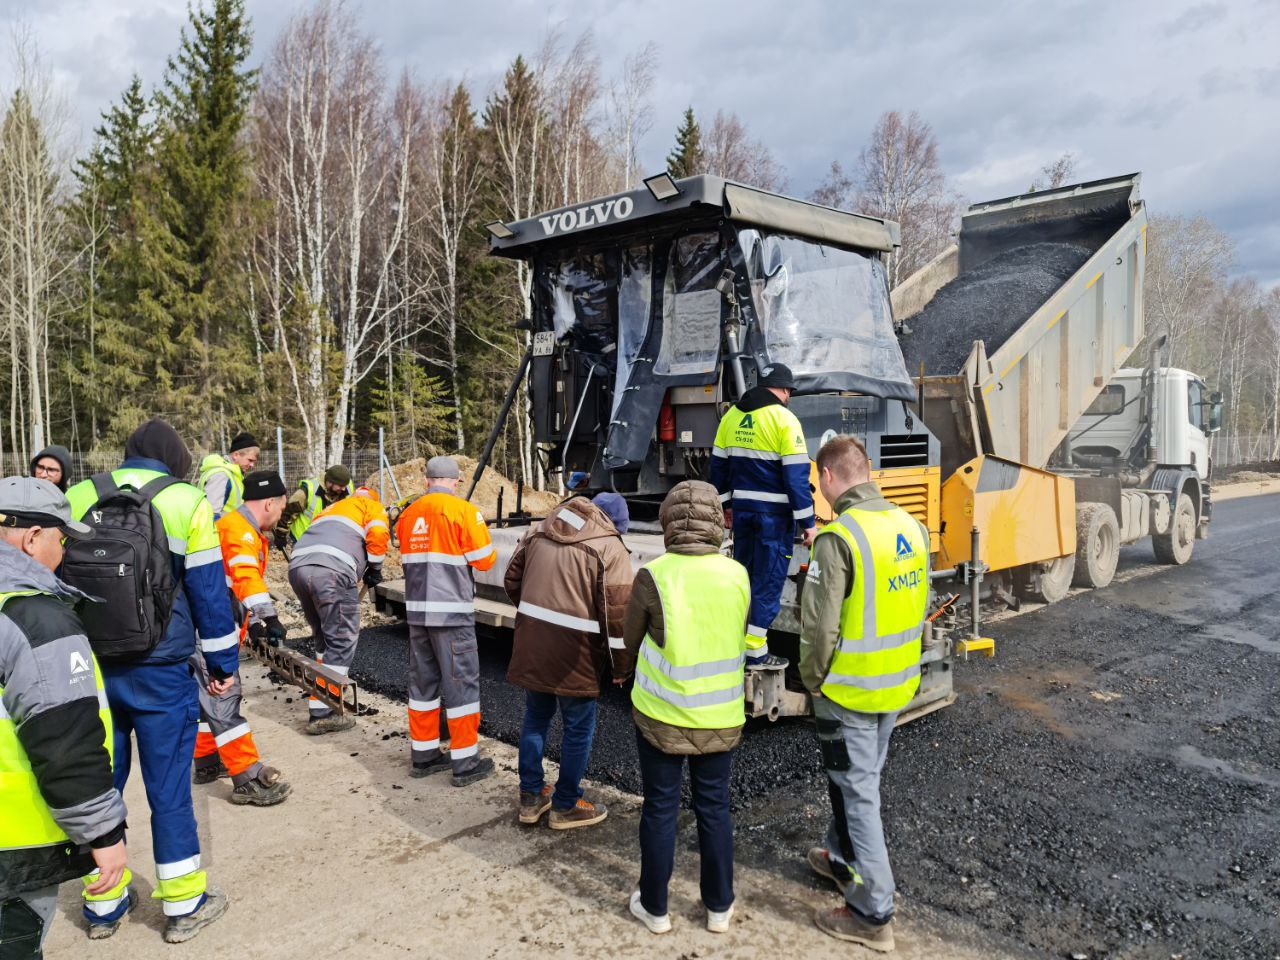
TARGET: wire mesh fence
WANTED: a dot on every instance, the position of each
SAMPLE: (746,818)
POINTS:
(1233,449)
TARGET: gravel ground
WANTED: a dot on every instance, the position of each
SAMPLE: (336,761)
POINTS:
(987,303)
(1107,787)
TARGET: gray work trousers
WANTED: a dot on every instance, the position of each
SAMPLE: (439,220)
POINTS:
(24,921)
(224,720)
(330,601)
(444,669)
(854,746)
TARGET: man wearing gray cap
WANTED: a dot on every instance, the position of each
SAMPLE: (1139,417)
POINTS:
(62,815)
(442,539)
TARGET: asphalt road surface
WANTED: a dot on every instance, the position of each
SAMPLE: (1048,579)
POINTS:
(1107,787)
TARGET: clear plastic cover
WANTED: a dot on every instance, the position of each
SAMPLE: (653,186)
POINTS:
(635,299)
(578,292)
(825,313)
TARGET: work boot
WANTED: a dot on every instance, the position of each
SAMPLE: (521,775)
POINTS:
(482,770)
(767,661)
(209,772)
(330,723)
(654,924)
(101,931)
(534,805)
(181,929)
(437,765)
(820,860)
(843,924)
(264,790)
(582,814)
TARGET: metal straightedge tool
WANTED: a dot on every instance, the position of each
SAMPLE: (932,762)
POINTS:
(315,678)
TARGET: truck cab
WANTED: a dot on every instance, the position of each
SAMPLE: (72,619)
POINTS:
(1183,415)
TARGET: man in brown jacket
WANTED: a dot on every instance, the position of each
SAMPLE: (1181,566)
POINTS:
(570,579)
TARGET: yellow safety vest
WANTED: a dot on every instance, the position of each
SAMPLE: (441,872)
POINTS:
(695,679)
(876,667)
(314,506)
(26,821)
(217,463)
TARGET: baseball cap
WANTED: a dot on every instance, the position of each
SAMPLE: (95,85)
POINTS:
(779,376)
(35,502)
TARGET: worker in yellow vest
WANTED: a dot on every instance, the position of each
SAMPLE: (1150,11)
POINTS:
(685,628)
(862,616)
(61,816)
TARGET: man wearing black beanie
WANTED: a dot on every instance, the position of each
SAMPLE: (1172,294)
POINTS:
(224,744)
(222,478)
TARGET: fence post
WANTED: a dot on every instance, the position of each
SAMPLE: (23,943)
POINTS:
(280,452)
(382,473)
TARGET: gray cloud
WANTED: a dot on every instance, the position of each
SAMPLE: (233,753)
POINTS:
(1183,91)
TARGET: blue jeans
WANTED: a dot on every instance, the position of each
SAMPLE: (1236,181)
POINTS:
(579,717)
(709,779)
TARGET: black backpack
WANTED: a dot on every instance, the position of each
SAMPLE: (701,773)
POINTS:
(127,566)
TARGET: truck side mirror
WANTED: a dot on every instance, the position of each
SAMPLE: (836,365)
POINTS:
(1215,412)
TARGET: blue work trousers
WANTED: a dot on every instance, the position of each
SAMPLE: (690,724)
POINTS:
(762,542)
(709,779)
(578,714)
(156,705)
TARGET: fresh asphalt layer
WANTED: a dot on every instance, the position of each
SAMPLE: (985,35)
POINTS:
(1107,787)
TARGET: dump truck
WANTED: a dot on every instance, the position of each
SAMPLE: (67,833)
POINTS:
(653,310)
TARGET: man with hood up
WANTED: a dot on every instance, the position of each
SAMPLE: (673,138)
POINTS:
(53,463)
(153,696)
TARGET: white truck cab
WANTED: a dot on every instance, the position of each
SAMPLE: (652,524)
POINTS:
(1184,413)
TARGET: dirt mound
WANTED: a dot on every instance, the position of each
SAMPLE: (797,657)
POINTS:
(410,480)
(987,303)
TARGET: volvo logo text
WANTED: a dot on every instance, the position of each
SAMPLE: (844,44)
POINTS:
(592,215)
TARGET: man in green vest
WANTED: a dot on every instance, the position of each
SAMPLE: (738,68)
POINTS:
(862,616)
(312,496)
(60,815)
(222,478)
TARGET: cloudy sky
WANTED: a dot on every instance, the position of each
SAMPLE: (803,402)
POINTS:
(1188,92)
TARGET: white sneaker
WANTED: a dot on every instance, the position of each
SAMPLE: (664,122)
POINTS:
(660,924)
(718,921)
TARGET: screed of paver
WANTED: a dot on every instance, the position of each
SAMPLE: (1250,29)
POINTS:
(363,861)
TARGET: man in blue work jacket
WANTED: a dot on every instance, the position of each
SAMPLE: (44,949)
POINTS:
(760,465)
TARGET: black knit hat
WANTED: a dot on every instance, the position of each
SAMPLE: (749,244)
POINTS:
(779,376)
(263,485)
(243,441)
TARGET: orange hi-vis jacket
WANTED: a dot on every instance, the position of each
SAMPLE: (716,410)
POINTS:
(244,560)
(441,538)
(347,536)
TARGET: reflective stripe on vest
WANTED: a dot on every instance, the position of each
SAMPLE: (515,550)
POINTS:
(26,821)
(695,679)
(876,667)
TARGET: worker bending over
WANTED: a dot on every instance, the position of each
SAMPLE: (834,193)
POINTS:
(60,815)
(442,539)
(224,743)
(150,690)
(862,615)
(345,545)
(760,466)
(222,478)
(313,495)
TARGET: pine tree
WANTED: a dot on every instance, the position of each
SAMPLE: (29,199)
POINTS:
(205,177)
(686,158)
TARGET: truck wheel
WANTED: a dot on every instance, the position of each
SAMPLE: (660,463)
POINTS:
(1055,580)
(1097,545)
(1175,546)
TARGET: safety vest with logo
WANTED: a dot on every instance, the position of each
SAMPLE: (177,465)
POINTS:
(314,505)
(26,821)
(442,538)
(876,667)
(695,678)
(760,462)
(216,463)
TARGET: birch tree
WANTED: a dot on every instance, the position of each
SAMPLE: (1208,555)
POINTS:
(632,110)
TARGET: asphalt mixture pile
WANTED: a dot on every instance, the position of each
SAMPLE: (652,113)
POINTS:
(987,303)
